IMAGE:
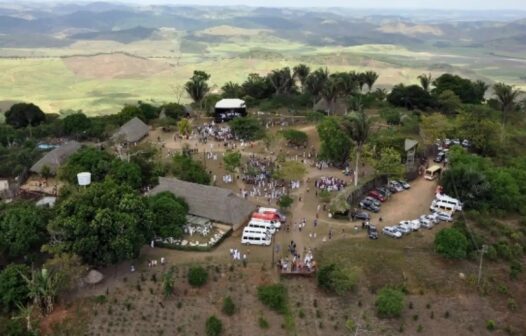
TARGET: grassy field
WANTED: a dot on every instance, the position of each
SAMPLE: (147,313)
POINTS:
(97,86)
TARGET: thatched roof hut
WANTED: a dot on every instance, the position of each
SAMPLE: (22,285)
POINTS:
(56,157)
(217,204)
(133,131)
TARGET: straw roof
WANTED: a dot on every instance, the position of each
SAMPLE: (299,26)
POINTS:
(133,131)
(56,157)
(216,204)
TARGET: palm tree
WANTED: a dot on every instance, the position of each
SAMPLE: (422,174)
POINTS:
(425,81)
(282,81)
(42,289)
(506,96)
(480,88)
(184,127)
(197,87)
(370,78)
(232,90)
(361,80)
(25,313)
(330,92)
(358,127)
(301,72)
(315,83)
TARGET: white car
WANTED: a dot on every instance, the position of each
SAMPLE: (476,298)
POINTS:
(404,227)
(433,217)
(391,232)
(426,223)
(404,184)
(445,216)
(415,225)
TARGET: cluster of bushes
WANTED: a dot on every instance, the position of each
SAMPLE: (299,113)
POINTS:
(274,296)
(390,302)
(337,279)
(185,168)
(295,137)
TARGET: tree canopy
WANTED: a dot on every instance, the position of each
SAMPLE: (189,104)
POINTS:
(451,243)
(13,288)
(232,160)
(184,167)
(335,144)
(247,128)
(24,114)
(103,224)
(168,215)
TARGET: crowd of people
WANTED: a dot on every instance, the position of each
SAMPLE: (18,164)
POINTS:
(330,183)
(296,264)
(217,132)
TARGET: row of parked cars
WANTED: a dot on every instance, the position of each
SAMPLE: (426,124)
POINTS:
(443,147)
(373,201)
(442,209)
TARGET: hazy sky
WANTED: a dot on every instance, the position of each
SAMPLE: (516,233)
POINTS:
(383,4)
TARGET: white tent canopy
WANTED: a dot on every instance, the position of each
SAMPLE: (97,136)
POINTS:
(230,104)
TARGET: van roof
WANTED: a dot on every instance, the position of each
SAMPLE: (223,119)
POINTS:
(433,168)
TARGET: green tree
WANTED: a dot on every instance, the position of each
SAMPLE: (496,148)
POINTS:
(389,163)
(434,126)
(23,115)
(87,159)
(232,90)
(290,170)
(295,137)
(45,172)
(232,160)
(229,308)
(22,229)
(103,224)
(469,92)
(43,288)
(68,269)
(370,78)
(148,158)
(335,144)
(358,127)
(214,326)
(13,288)
(274,297)
(410,97)
(285,202)
(78,125)
(169,215)
(282,81)
(126,172)
(315,83)
(389,302)
(197,276)
(247,128)
(425,81)
(449,102)
(184,127)
(174,110)
(451,243)
(168,283)
(339,280)
(257,87)
(330,92)
(301,73)
(187,169)
(507,98)
(197,87)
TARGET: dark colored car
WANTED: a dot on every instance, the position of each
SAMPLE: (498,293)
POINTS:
(372,232)
(384,192)
(361,215)
(440,157)
(376,194)
(368,205)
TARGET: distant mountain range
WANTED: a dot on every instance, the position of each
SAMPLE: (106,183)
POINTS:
(55,25)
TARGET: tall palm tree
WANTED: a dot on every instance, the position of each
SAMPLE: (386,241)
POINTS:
(315,83)
(301,72)
(358,126)
(507,98)
(425,81)
(42,289)
(232,90)
(480,89)
(370,78)
(197,87)
(282,81)
(361,80)
(25,313)
(330,92)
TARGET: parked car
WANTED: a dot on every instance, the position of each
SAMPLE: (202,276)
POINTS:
(415,224)
(426,223)
(374,201)
(455,141)
(404,228)
(391,189)
(377,195)
(466,143)
(396,186)
(391,232)
(384,192)
(440,157)
(372,232)
(404,184)
(445,216)
(432,217)
(362,215)
(367,205)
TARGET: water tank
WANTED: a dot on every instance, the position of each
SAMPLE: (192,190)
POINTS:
(84,178)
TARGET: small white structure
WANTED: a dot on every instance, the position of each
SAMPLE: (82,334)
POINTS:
(84,179)
(4,185)
(228,109)
(47,201)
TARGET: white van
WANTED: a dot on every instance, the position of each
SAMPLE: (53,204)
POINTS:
(259,224)
(439,206)
(256,238)
(257,230)
(447,199)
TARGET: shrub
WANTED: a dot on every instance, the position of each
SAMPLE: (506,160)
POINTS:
(274,296)
(490,325)
(512,305)
(247,128)
(214,326)
(336,279)
(491,253)
(515,269)
(451,243)
(350,325)
(295,137)
(229,308)
(263,324)
(197,276)
(389,302)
